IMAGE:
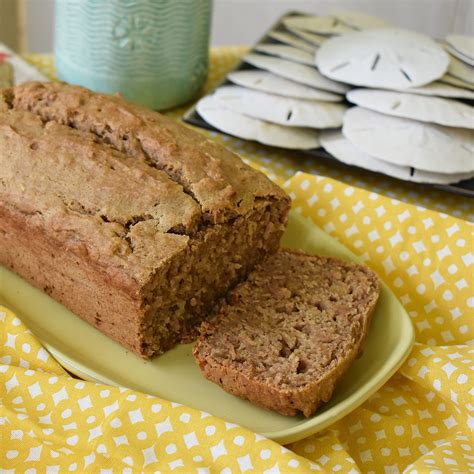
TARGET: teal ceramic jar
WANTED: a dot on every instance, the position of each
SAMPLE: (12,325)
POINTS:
(154,52)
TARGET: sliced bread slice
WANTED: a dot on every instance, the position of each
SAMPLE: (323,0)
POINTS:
(285,336)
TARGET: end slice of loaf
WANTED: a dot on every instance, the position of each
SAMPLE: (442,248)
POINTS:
(286,336)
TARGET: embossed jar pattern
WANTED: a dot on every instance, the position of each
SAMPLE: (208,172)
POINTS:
(154,52)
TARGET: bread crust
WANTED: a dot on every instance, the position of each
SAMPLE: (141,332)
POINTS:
(217,179)
(69,279)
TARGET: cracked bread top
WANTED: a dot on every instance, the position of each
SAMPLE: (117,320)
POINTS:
(222,185)
(123,215)
(111,204)
(89,177)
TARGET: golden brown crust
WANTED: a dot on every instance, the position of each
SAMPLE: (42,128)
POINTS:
(91,199)
(221,183)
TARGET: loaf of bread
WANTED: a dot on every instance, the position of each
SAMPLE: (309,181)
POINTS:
(133,221)
(288,333)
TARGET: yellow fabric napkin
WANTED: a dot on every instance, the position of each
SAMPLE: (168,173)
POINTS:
(52,422)
(420,421)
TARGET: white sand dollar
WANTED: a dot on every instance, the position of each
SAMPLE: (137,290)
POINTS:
(287,52)
(327,25)
(360,21)
(313,38)
(461,70)
(292,40)
(448,112)
(249,128)
(465,59)
(411,143)
(385,58)
(455,81)
(280,110)
(463,44)
(267,82)
(301,73)
(334,142)
(440,89)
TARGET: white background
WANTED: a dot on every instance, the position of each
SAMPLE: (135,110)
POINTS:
(244,21)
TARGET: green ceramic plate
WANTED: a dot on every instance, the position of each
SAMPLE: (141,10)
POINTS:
(174,376)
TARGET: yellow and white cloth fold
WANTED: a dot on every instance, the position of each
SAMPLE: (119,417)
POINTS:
(420,421)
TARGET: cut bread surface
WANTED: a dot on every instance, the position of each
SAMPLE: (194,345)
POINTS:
(286,335)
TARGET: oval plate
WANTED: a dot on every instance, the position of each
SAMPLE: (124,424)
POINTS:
(86,352)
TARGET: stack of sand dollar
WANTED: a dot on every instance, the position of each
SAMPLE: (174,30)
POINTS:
(411,118)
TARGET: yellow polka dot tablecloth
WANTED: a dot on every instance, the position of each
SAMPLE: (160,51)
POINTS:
(419,241)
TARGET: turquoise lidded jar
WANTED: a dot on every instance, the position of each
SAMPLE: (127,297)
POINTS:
(154,52)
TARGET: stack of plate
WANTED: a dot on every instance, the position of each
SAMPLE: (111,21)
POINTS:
(412,119)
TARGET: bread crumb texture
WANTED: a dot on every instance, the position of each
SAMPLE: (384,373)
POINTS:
(287,334)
